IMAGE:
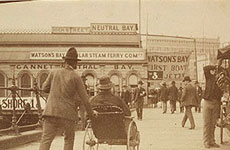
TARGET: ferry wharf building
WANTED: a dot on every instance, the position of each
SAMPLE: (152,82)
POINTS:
(105,49)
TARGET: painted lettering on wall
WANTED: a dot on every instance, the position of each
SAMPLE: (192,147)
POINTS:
(52,66)
(123,66)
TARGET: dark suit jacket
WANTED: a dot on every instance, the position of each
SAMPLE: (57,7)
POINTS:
(212,91)
(126,96)
(163,94)
(107,98)
(189,96)
(139,95)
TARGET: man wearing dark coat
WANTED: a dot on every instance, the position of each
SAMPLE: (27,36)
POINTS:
(173,96)
(105,96)
(199,96)
(126,95)
(139,95)
(189,100)
(164,96)
(211,109)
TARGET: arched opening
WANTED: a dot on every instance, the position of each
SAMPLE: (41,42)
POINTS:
(2,84)
(41,80)
(25,83)
(115,80)
(91,86)
(132,83)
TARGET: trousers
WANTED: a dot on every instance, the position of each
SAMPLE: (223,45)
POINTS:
(211,112)
(51,126)
(139,109)
(164,106)
(188,115)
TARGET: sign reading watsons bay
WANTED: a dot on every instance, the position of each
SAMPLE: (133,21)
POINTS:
(167,66)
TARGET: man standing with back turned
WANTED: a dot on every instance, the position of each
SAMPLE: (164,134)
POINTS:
(66,92)
(212,102)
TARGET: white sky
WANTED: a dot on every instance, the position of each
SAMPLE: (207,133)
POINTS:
(191,18)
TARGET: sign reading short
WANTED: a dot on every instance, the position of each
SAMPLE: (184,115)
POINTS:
(167,66)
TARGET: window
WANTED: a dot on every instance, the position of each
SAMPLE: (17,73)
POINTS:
(90,82)
(42,79)
(133,80)
(115,80)
(2,84)
(25,83)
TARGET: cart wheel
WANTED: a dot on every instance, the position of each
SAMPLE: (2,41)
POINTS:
(221,124)
(89,141)
(133,137)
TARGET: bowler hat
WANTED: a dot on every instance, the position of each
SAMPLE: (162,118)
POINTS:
(187,78)
(173,82)
(105,83)
(71,54)
(83,77)
(163,83)
(140,82)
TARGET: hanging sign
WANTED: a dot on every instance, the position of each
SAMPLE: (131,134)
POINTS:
(167,66)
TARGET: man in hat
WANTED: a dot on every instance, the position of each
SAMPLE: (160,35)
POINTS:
(164,96)
(66,92)
(126,95)
(199,96)
(189,100)
(173,96)
(139,95)
(105,96)
(212,101)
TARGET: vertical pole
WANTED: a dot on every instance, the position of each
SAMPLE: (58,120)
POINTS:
(195,58)
(14,119)
(140,22)
(38,103)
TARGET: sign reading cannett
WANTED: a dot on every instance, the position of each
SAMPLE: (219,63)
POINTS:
(167,66)
(113,28)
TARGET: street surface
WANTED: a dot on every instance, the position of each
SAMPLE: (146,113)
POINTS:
(158,132)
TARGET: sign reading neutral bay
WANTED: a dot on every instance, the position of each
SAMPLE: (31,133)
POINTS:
(92,54)
(113,28)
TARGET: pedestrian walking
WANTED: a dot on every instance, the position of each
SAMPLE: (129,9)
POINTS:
(66,92)
(153,97)
(189,100)
(164,96)
(173,96)
(199,96)
(180,91)
(211,110)
(139,95)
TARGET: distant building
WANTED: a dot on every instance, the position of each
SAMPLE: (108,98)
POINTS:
(206,50)
(30,56)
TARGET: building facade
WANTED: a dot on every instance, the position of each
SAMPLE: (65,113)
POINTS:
(203,51)
(29,57)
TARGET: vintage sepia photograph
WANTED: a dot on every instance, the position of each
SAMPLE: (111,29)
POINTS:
(114,74)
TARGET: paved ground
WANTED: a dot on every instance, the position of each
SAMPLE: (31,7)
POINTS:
(158,132)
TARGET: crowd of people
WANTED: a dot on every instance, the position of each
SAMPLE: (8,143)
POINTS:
(68,91)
